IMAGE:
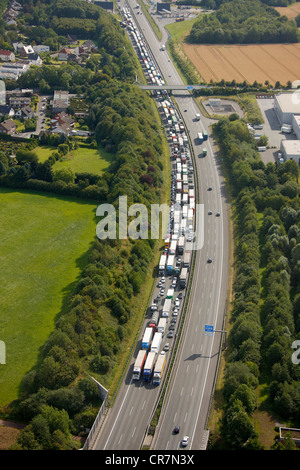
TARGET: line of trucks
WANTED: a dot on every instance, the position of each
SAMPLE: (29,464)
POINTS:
(150,363)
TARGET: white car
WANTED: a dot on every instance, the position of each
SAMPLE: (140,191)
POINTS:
(185,441)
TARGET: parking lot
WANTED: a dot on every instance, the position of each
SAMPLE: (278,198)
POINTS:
(272,129)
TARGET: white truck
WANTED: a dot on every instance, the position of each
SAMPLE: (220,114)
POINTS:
(159,369)
(170,294)
(147,338)
(162,325)
(156,342)
(166,308)
(139,364)
(286,129)
(162,264)
(183,278)
(197,116)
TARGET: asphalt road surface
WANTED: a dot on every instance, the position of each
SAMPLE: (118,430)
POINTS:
(189,395)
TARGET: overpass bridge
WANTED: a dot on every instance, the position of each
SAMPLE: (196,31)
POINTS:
(173,87)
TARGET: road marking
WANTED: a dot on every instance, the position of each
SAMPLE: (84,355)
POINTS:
(120,439)
(144,404)
(192,391)
(133,431)
(131,411)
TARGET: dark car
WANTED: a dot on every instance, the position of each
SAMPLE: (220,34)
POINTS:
(176,430)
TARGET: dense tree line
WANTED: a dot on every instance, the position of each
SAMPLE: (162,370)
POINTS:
(243,22)
(57,399)
(265,311)
(215,4)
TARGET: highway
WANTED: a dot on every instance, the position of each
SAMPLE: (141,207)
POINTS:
(188,399)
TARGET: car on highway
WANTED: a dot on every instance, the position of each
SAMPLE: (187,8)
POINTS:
(170,334)
(218,214)
(167,347)
(185,441)
(209,260)
(176,430)
(210,188)
(209,212)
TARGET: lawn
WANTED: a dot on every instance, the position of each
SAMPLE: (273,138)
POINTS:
(83,159)
(44,244)
(44,152)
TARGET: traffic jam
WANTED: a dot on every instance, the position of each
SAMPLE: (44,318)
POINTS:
(175,260)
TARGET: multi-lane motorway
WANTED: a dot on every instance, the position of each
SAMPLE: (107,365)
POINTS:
(189,395)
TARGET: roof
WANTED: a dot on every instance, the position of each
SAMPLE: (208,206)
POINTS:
(291,146)
(289,102)
(7,53)
(8,124)
(64,51)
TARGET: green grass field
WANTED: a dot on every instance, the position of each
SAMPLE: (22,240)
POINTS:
(83,159)
(44,244)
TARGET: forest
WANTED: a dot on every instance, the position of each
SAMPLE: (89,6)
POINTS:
(243,22)
(215,4)
(57,398)
(265,310)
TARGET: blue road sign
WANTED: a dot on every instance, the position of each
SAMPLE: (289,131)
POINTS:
(189,87)
(209,329)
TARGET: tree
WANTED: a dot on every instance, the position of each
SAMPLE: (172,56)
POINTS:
(64,174)
(237,427)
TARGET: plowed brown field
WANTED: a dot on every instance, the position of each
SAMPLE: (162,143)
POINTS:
(291,11)
(259,62)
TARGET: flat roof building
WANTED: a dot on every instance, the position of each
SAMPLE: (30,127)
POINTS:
(290,149)
(285,105)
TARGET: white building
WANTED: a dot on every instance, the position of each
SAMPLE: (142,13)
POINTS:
(286,105)
(290,149)
(296,125)
(41,48)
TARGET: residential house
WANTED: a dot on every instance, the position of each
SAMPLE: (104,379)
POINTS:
(63,54)
(19,101)
(62,118)
(62,123)
(17,46)
(90,45)
(41,48)
(60,101)
(25,50)
(7,56)
(7,127)
(62,129)
(74,58)
(35,59)
(26,112)
(6,110)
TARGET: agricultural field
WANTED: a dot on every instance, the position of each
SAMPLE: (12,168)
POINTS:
(290,12)
(260,62)
(44,244)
